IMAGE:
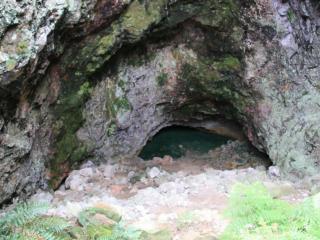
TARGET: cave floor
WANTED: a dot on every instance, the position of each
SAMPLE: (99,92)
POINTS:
(181,199)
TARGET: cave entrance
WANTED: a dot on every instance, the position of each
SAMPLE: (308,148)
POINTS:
(198,146)
(177,141)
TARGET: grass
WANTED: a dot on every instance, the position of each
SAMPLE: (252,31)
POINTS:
(255,215)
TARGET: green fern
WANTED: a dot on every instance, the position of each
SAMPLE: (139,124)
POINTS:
(23,213)
(27,221)
(255,215)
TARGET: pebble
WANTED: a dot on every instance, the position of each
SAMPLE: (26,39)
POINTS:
(88,164)
(75,182)
(108,171)
(274,171)
(154,172)
(86,172)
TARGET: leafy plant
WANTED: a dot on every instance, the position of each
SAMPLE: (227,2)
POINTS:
(256,215)
(27,221)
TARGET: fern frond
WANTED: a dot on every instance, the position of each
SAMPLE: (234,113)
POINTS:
(23,213)
(125,233)
(255,215)
(98,232)
(78,233)
(50,224)
(253,204)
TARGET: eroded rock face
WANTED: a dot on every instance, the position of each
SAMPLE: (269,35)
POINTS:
(97,79)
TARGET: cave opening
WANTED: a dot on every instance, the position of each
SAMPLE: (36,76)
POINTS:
(202,146)
(176,141)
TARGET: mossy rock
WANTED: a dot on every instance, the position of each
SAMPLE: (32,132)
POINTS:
(160,235)
(87,216)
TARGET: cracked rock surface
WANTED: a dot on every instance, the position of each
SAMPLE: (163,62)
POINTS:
(95,79)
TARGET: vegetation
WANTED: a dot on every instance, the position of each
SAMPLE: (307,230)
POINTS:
(29,222)
(22,47)
(10,64)
(111,130)
(256,215)
(162,78)
(291,15)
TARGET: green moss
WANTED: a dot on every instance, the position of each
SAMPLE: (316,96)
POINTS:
(22,47)
(139,18)
(198,77)
(130,28)
(116,104)
(69,151)
(224,15)
(11,64)
(214,79)
(229,63)
(107,41)
(160,235)
(219,14)
(121,83)
(111,130)
(85,90)
(121,104)
(291,15)
(162,78)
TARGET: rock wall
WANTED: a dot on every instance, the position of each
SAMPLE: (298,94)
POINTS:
(97,78)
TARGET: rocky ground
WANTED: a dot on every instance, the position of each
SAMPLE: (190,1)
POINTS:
(177,199)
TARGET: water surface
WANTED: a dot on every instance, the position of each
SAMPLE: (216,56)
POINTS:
(176,141)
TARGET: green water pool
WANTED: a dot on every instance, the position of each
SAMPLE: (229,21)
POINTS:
(176,141)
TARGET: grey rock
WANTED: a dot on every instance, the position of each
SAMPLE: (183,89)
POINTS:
(274,171)
(154,172)
(88,164)
(131,174)
(42,196)
(75,181)
(109,171)
(86,172)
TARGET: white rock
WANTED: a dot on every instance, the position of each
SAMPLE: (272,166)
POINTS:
(154,172)
(108,171)
(88,164)
(261,168)
(131,174)
(274,171)
(86,172)
(121,181)
(42,196)
(75,182)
